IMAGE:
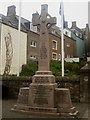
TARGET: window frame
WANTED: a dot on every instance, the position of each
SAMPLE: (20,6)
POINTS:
(55,54)
(34,42)
(56,44)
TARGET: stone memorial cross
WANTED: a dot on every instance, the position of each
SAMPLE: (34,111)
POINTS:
(44,23)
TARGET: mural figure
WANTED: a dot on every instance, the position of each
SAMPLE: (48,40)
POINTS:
(9,54)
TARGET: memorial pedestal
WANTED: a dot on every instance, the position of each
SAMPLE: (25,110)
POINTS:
(43,97)
(41,90)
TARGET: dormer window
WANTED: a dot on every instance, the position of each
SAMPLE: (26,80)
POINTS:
(76,33)
(80,35)
(66,32)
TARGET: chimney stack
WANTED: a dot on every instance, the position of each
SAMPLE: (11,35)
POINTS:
(87,25)
(11,11)
(74,24)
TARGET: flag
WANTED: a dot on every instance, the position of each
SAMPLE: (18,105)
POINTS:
(61,8)
(61,12)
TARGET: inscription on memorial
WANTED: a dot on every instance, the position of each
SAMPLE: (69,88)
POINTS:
(43,52)
(41,109)
(40,99)
(41,89)
(41,93)
(41,80)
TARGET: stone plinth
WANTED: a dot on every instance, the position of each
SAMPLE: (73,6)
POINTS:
(63,102)
(23,95)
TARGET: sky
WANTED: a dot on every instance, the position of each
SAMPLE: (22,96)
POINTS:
(74,10)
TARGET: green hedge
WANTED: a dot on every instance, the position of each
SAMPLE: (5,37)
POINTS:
(55,66)
(69,69)
(29,69)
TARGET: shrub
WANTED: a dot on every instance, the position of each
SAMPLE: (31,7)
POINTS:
(29,69)
(55,67)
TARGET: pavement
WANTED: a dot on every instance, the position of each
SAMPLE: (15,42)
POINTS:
(83,109)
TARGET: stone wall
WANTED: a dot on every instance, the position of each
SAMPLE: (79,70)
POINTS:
(12,84)
(72,83)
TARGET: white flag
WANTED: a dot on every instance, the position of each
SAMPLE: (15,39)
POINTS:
(61,12)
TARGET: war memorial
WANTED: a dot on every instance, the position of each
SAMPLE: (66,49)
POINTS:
(43,97)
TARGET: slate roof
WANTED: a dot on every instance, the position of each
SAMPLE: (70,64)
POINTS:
(13,21)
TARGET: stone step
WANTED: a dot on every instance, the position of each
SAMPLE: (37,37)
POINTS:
(67,110)
(74,114)
(34,109)
(27,110)
(37,113)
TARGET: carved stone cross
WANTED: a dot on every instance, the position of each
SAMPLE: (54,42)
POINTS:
(44,23)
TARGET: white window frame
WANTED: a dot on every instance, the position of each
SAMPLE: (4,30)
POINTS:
(66,33)
(80,35)
(59,57)
(56,44)
(33,57)
(68,45)
(52,56)
(68,56)
(53,31)
(32,43)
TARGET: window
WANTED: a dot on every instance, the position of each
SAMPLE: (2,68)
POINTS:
(68,45)
(59,57)
(53,31)
(80,35)
(33,43)
(54,56)
(33,28)
(77,33)
(54,44)
(33,57)
(66,33)
(68,56)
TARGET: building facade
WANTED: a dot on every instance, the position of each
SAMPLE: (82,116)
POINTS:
(9,50)
(78,35)
(54,46)
(29,42)
(86,34)
(12,51)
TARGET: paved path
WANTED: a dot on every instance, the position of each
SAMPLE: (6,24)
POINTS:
(8,104)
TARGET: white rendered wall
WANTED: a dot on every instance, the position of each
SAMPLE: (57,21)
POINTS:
(23,48)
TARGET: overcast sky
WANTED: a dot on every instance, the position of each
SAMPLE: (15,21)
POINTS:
(74,10)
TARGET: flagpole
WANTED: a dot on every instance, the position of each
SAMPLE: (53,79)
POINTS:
(19,37)
(62,38)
